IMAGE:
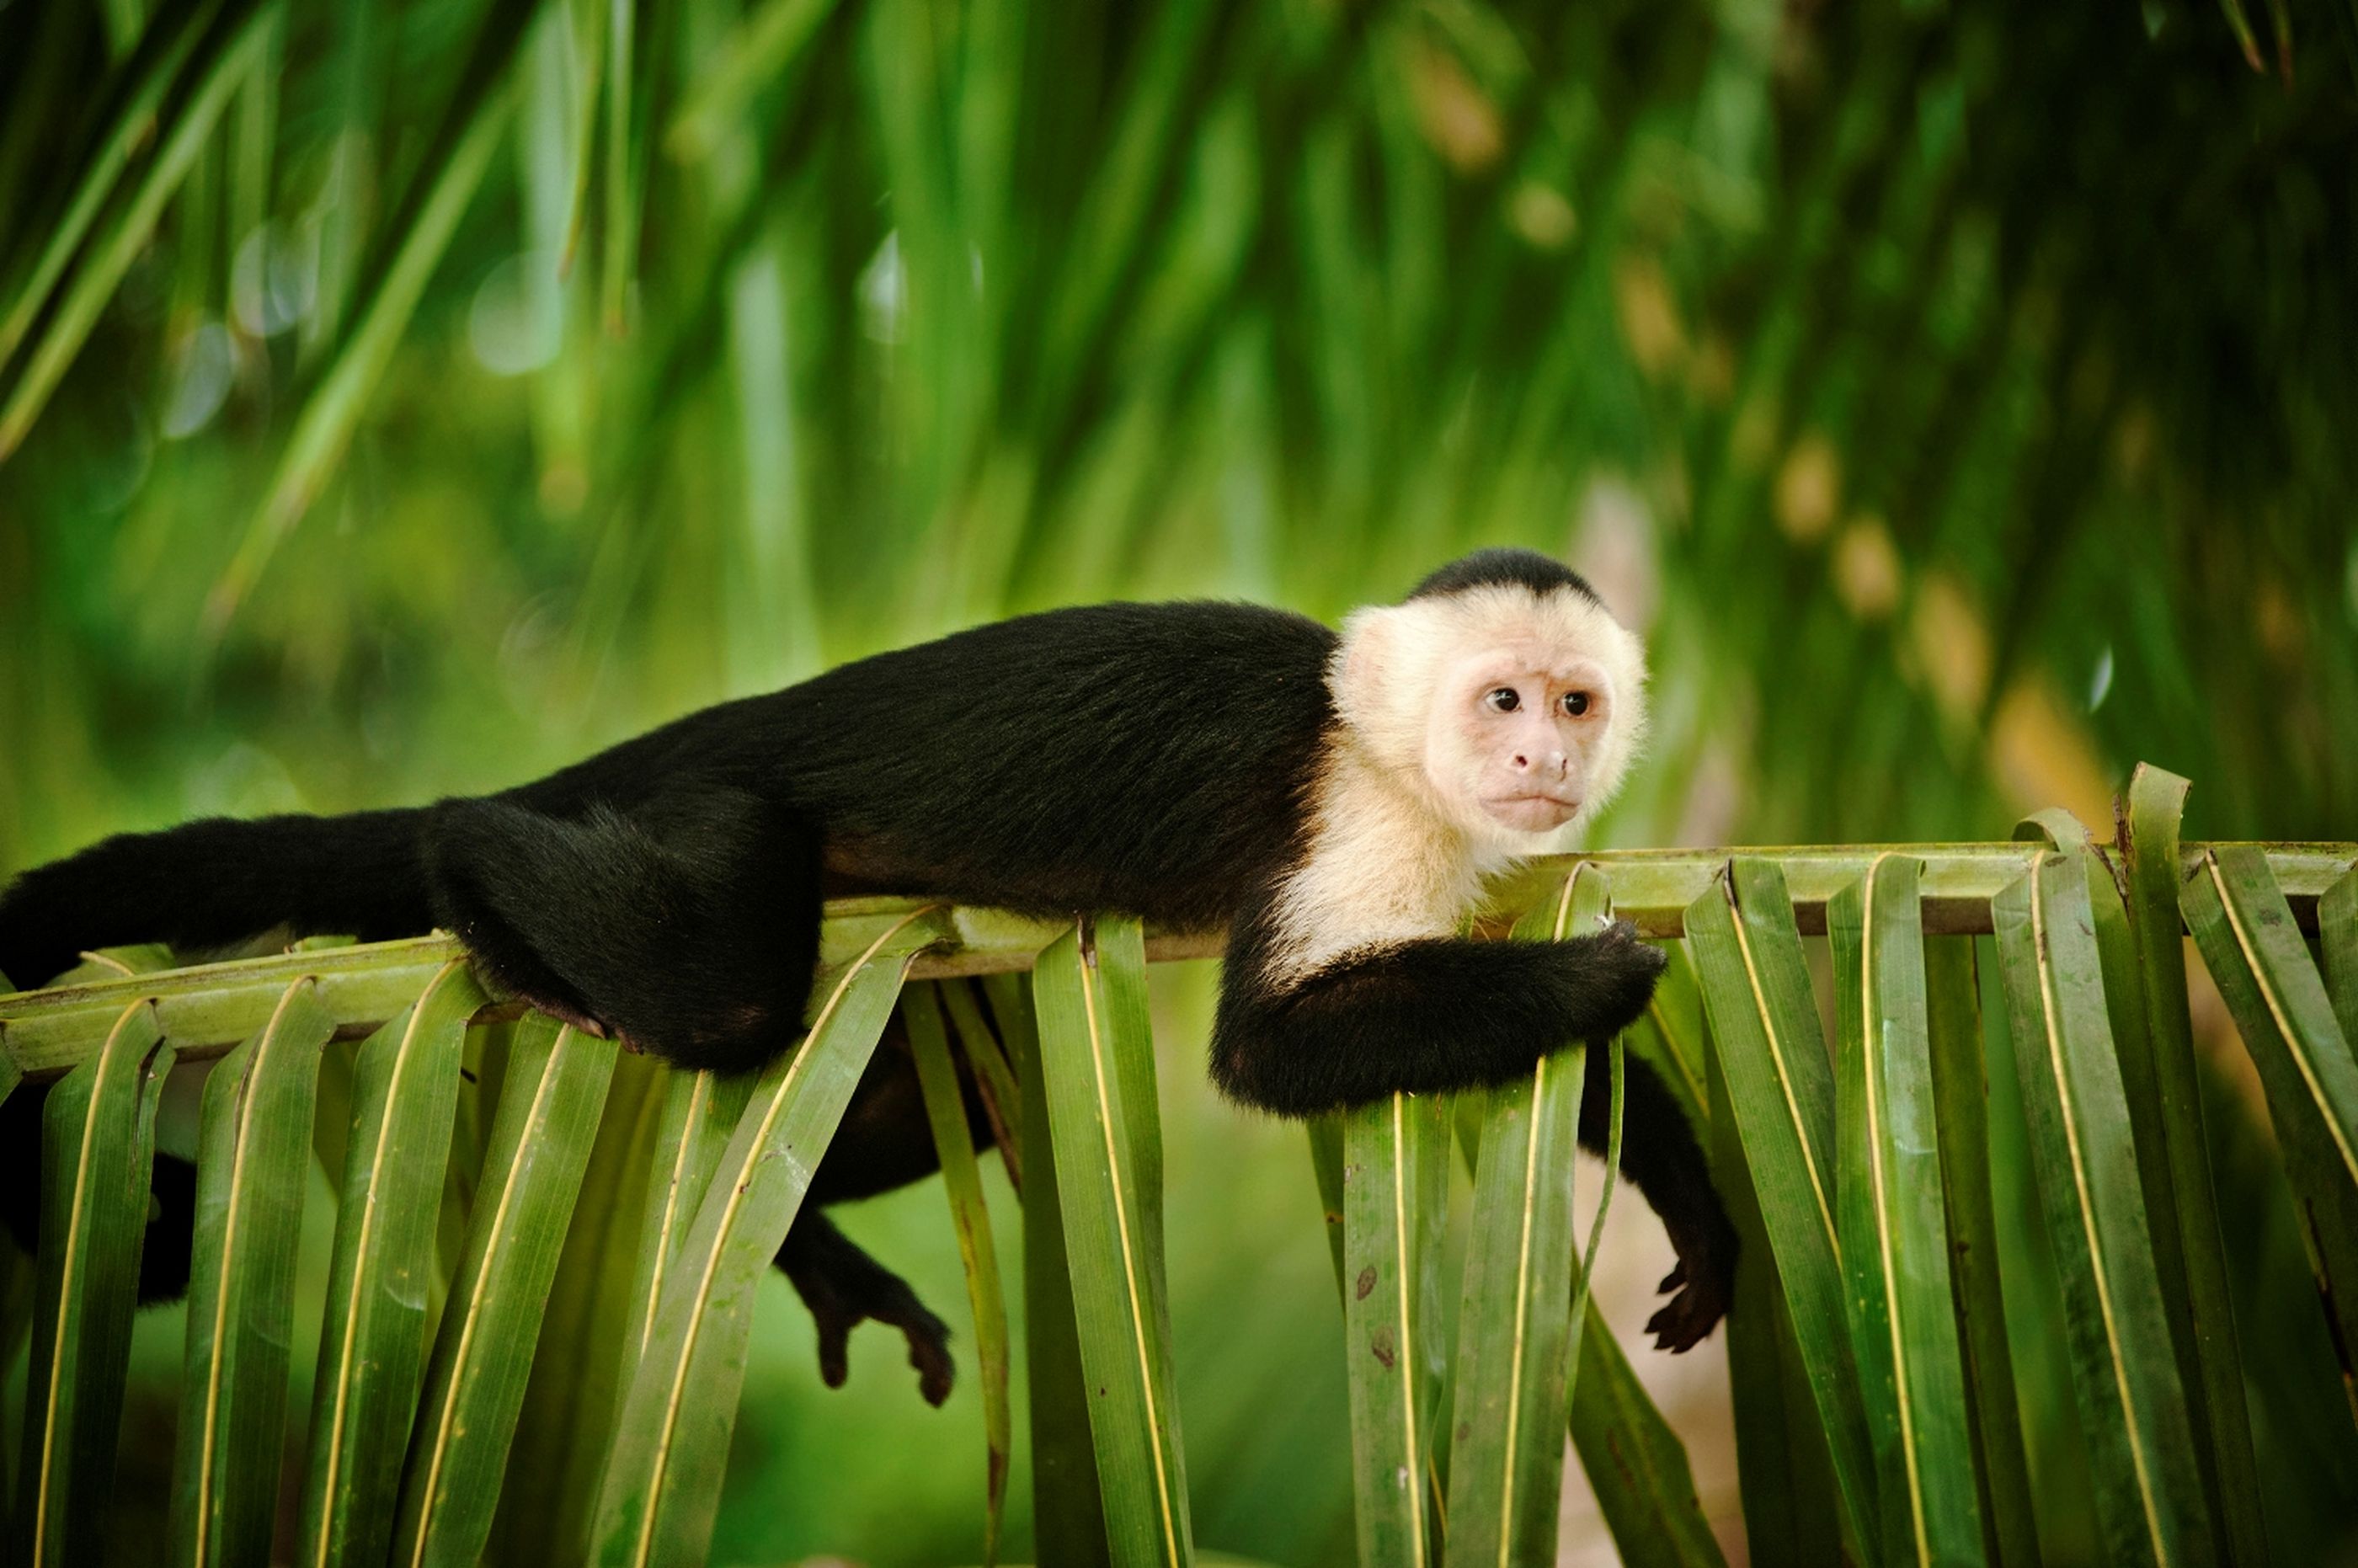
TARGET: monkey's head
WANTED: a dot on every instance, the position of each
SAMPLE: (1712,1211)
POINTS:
(1503,688)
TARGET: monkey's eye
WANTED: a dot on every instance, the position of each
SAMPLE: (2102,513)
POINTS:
(1575,703)
(1504,699)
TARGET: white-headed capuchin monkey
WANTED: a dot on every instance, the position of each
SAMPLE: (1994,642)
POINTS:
(1334,802)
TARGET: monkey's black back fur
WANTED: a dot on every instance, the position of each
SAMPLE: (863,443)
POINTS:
(1146,758)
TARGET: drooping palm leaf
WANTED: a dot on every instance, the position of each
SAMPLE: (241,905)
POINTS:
(253,1152)
(2154,800)
(700,1115)
(2126,1003)
(1959,1095)
(1634,1458)
(587,1344)
(661,1487)
(1514,1328)
(962,1178)
(373,1346)
(1893,1222)
(2254,951)
(1097,1068)
(1765,1027)
(2125,1372)
(1068,1518)
(552,1097)
(97,1140)
(1395,1201)
(1784,1473)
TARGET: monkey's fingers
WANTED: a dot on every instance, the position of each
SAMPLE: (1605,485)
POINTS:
(1688,1318)
(834,1343)
(1622,936)
(929,1353)
(1674,1330)
(928,1338)
(895,1306)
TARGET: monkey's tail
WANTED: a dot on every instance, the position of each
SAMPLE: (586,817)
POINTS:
(215,882)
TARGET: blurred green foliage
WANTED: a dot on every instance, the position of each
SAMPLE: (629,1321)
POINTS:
(402,399)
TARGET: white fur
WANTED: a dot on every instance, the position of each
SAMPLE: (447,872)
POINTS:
(1395,852)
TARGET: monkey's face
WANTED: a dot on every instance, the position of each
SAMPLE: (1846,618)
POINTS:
(1514,732)
(1517,712)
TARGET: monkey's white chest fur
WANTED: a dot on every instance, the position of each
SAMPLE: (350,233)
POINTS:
(1383,868)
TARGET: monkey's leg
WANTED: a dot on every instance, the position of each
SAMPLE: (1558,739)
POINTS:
(884,1141)
(1662,1161)
(1423,1016)
(689,926)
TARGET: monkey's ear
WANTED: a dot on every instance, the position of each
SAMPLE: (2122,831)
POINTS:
(1382,680)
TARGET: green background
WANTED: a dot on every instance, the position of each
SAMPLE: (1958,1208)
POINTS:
(1964,401)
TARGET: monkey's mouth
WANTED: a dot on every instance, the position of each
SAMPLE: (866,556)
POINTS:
(1533,813)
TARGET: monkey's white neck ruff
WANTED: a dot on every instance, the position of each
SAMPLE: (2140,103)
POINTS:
(1383,867)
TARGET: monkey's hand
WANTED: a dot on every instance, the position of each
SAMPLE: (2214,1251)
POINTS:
(1704,1278)
(1694,1312)
(844,1287)
(1426,1015)
(1623,971)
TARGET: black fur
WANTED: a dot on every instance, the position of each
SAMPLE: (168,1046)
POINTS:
(1503,566)
(665,926)
(1404,1017)
(215,882)
(1153,760)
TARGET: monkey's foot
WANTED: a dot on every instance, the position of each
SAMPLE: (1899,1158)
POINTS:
(898,1307)
(1701,1301)
(844,1287)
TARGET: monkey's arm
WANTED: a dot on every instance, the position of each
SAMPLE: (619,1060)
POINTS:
(1424,1016)
(1443,1014)
(1662,1161)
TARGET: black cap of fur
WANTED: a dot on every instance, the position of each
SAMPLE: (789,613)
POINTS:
(1508,566)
